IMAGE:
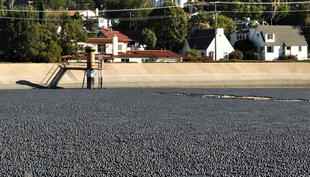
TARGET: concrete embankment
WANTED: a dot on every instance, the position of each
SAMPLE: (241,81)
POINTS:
(16,76)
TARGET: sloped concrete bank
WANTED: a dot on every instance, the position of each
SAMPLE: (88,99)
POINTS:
(203,75)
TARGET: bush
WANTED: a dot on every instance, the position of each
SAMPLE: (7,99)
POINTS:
(235,60)
(223,60)
(189,59)
(292,57)
(288,57)
(253,56)
(207,58)
(236,55)
(199,59)
(283,57)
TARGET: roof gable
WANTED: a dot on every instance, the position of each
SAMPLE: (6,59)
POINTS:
(284,35)
(122,35)
(201,39)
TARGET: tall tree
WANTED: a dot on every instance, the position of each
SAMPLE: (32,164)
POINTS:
(1,6)
(71,34)
(13,33)
(42,44)
(128,20)
(148,38)
(169,25)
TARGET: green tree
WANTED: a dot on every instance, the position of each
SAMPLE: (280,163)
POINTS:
(71,34)
(128,20)
(193,53)
(226,23)
(244,45)
(1,6)
(148,38)
(42,44)
(169,25)
(281,14)
(242,6)
(53,4)
(13,33)
(86,4)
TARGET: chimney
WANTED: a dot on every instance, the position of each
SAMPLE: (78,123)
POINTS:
(115,45)
(97,12)
(220,31)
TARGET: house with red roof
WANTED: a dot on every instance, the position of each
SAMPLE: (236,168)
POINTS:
(131,37)
(116,49)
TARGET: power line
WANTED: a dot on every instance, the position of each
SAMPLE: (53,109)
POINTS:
(152,8)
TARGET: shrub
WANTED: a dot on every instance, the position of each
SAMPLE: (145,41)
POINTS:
(199,59)
(236,55)
(235,60)
(223,60)
(189,59)
(292,57)
(288,57)
(283,57)
(207,58)
(253,56)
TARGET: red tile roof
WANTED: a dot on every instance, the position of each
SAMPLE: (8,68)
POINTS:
(150,53)
(122,35)
(102,40)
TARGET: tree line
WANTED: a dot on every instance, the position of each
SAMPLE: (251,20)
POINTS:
(28,35)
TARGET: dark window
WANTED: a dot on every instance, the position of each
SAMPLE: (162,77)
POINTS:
(270,49)
(270,36)
(101,48)
(299,48)
(288,48)
(125,60)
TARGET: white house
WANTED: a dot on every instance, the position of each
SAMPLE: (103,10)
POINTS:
(272,41)
(117,50)
(204,42)
(93,15)
(179,3)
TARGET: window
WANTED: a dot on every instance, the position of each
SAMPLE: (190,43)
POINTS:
(270,36)
(299,48)
(120,47)
(125,60)
(225,55)
(288,48)
(202,54)
(247,36)
(269,49)
(237,37)
(257,34)
(101,48)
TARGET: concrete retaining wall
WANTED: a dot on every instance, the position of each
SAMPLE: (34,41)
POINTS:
(162,75)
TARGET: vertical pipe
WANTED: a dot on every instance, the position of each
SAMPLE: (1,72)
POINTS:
(90,66)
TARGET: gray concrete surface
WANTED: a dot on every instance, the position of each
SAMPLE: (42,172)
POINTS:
(154,132)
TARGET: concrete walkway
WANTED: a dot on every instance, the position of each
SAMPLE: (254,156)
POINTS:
(203,75)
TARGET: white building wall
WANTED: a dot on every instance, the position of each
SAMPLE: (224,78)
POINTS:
(179,3)
(301,55)
(134,60)
(277,51)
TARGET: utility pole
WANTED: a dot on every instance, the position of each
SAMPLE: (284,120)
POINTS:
(215,32)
